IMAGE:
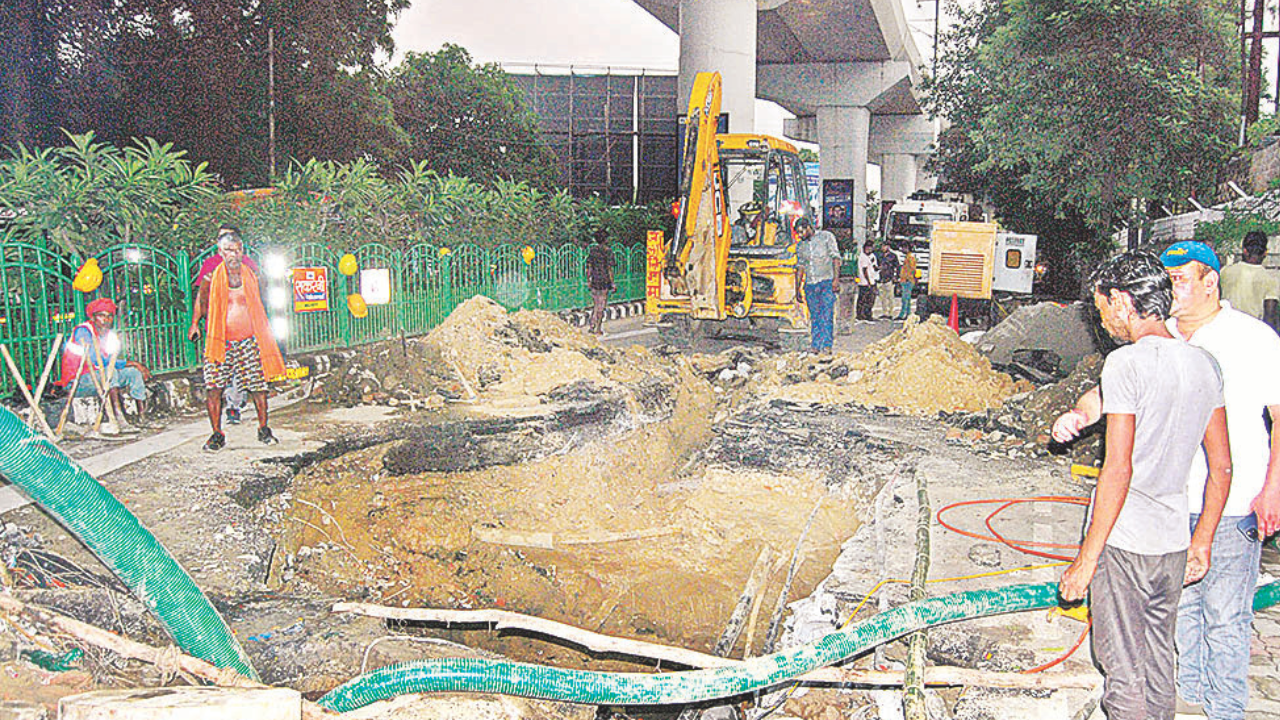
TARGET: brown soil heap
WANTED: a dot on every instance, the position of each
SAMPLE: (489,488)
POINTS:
(922,369)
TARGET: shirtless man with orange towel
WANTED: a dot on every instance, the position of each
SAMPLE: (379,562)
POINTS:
(238,342)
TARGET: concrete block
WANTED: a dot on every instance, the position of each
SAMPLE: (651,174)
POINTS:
(178,394)
(84,410)
(183,703)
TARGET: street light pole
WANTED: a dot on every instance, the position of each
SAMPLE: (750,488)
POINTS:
(271,103)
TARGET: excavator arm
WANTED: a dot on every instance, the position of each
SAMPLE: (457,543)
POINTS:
(698,254)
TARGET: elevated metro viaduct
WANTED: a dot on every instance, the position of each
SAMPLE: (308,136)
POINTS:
(847,69)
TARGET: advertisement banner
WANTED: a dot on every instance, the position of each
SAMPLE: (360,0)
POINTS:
(375,285)
(837,204)
(310,289)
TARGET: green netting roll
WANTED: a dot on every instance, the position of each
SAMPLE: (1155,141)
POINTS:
(680,688)
(75,499)
(1266,596)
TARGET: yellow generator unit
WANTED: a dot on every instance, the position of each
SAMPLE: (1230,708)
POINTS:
(962,258)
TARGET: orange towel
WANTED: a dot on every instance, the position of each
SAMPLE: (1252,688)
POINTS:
(215,343)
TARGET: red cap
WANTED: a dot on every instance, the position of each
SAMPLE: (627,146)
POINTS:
(100,305)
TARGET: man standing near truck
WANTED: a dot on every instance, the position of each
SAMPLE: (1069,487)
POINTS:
(868,276)
(888,266)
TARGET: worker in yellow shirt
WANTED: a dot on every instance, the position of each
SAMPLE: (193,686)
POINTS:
(1248,286)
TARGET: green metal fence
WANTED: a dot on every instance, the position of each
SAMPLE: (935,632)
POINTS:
(154,290)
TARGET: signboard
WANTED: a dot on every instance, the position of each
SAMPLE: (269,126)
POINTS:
(654,248)
(375,285)
(813,179)
(310,289)
(837,204)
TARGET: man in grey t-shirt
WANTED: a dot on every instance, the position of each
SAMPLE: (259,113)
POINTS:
(1161,398)
(818,264)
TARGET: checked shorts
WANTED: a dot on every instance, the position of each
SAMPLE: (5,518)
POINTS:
(242,362)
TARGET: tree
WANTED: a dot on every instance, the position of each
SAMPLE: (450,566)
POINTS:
(195,73)
(1087,105)
(468,120)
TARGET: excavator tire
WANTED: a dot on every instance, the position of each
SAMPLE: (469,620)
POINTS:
(679,330)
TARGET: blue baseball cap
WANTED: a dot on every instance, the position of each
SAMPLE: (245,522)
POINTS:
(1180,254)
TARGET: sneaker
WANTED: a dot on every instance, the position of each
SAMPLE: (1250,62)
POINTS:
(265,437)
(216,442)
(233,416)
(109,428)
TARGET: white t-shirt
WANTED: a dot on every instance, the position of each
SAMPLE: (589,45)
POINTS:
(1247,287)
(1171,388)
(1248,352)
(868,269)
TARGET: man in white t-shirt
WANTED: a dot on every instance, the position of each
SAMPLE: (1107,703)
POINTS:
(1162,399)
(868,276)
(1215,615)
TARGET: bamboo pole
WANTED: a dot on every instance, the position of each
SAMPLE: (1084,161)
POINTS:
(48,366)
(913,701)
(26,392)
(123,646)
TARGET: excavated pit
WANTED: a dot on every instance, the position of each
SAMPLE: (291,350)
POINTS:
(617,491)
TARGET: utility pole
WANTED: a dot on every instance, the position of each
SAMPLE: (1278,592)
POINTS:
(1253,73)
(271,103)
(937,13)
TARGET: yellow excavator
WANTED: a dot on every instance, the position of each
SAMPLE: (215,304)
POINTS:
(731,265)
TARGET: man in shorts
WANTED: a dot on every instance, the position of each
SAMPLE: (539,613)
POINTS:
(233,398)
(238,342)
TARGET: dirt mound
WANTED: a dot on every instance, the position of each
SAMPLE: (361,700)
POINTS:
(922,369)
(1022,425)
(482,355)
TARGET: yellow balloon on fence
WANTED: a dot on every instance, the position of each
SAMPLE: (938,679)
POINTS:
(527,253)
(348,265)
(445,251)
(88,277)
(356,304)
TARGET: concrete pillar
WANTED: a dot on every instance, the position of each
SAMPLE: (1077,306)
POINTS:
(720,35)
(897,176)
(843,134)
(925,180)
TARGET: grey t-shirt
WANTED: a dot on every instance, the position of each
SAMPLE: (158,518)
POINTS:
(1171,388)
(817,255)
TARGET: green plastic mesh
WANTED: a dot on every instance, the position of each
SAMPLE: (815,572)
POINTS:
(75,499)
